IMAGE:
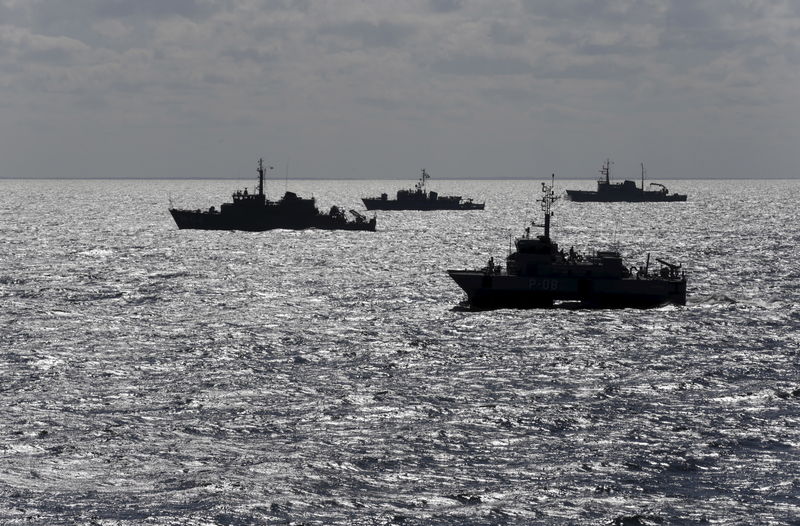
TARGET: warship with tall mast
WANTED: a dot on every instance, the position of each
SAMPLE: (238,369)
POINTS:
(254,212)
(420,199)
(538,274)
(626,191)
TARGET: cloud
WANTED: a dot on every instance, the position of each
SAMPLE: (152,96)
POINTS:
(689,26)
(153,8)
(590,10)
(379,34)
(507,34)
(111,28)
(587,70)
(382,103)
(248,54)
(350,68)
(445,6)
(33,48)
(505,94)
(215,78)
(482,65)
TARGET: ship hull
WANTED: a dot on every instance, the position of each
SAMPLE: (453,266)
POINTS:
(391,204)
(199,220)
(646,197)
(487,291)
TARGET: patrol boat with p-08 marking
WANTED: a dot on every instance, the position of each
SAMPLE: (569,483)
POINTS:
(538,274)
(254,212)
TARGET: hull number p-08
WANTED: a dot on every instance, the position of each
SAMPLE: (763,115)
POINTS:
(543,284)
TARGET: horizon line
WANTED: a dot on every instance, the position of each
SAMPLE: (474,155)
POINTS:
(767,178)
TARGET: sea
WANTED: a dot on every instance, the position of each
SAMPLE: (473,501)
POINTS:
(156,376)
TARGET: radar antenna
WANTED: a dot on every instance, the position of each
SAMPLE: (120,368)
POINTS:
(422,179)
(606,170)
(547,200)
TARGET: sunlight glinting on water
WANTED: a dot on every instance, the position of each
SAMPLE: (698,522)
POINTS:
(160,376)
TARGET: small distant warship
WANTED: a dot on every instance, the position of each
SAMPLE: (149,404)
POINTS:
(538,274)
(626,191)
(254,212)
(420,199)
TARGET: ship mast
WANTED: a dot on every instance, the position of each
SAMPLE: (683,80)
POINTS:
(642,177)
(606,170)
(260,177)
(422,179)
(547,203)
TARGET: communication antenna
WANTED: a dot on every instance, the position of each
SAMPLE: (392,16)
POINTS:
(261,175)
(547,200)
(606,170)
(421,184)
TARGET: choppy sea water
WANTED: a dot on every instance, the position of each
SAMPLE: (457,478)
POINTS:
(165,377)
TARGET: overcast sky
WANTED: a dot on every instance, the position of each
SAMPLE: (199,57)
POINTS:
(380,89)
